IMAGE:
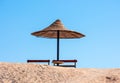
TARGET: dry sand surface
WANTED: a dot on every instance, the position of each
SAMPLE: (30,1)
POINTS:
(36,73)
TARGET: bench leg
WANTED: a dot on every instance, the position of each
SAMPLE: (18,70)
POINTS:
(48,63)
(75,64)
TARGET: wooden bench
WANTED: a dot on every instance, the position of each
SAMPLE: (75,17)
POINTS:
(61,63)
(48,61)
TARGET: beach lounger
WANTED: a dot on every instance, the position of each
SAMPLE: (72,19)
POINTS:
(43,61)
(62,63)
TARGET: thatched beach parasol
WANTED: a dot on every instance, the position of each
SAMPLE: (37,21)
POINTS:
(57,30)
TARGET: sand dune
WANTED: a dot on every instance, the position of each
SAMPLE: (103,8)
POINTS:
(35,73)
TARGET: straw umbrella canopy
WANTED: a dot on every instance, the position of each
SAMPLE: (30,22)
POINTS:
(57,30)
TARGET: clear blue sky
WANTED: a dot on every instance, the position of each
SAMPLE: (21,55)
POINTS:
(99,20)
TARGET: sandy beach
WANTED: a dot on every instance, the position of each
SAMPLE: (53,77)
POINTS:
(36,73)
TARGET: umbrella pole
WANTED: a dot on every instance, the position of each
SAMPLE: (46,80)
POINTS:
(58,38)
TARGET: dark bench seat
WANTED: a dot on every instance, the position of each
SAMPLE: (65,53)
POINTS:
(48,61)
(61,63)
